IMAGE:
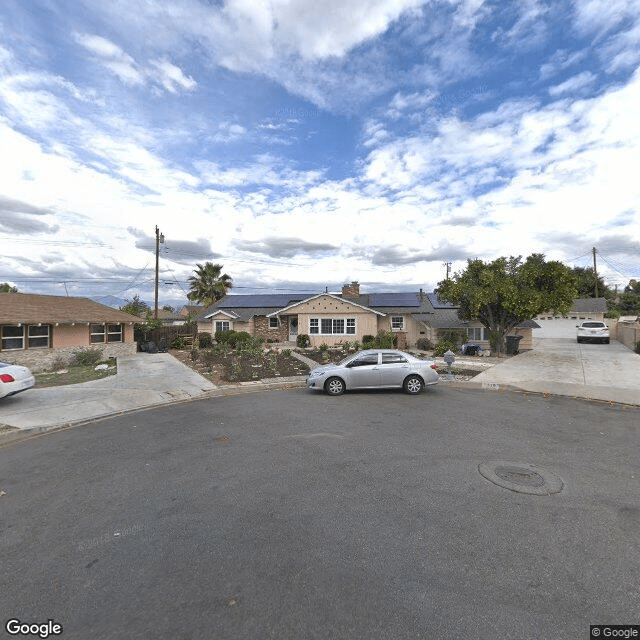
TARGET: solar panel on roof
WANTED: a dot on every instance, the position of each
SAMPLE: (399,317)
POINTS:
(399,299)
(244,301)
(439,304)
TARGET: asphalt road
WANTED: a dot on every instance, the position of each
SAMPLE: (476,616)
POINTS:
(290,514)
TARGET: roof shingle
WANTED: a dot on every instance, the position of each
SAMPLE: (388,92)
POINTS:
(30,308)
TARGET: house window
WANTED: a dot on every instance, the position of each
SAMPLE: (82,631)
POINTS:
(397,323)
(222,325)
(12,338)
(39,336)
(477,333)
(332,326)
(33,336)
(351,326)
(114,333)
(97,333)
(273,322)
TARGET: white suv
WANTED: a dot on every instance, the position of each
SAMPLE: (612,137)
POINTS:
(593,330)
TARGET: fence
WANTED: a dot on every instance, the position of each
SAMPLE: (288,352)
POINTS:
(626,332)
(168,333)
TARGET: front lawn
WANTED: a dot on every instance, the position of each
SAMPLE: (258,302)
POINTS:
(75,374)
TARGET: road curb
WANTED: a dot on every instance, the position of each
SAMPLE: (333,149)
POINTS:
(16,434)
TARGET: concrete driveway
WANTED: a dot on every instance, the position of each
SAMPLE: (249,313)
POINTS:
(143,380)
(559,365)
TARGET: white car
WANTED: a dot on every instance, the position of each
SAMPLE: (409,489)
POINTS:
(14,379)
(374,369)
(593,330)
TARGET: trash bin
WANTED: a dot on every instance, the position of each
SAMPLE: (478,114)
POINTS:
(512,345)
(470,349)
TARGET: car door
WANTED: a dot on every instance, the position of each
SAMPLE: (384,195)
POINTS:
(393,369)
(363,372)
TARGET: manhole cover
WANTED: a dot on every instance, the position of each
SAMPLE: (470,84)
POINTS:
(521,477)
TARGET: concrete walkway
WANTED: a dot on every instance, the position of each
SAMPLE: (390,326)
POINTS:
(561,366)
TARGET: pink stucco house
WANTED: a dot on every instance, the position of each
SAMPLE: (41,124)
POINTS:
(38,330)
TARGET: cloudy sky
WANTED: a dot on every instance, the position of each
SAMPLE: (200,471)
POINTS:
(304,144)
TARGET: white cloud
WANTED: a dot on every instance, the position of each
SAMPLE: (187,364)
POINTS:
(171,77)
(161,71)
(599,16)
(573,85)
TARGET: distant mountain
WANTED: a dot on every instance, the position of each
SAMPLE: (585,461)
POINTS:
(110,301)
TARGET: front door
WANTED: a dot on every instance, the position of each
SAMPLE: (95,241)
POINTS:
(293,328)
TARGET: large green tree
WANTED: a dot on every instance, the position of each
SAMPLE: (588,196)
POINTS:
(503,293)
(136,306)
(5,287)
(586,282)
(208,284)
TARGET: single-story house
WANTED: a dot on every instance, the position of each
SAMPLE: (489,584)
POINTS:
(38,330)
(334,318)
(581,309)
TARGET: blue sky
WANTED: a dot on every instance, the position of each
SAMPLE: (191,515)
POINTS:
(305,144)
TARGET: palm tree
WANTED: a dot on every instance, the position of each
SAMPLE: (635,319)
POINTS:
(208,285)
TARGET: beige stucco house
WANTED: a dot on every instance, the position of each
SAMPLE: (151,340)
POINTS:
(348,316)
(36,330)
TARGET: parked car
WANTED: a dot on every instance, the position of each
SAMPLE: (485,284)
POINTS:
(374,369)
(14,379)
(593,330)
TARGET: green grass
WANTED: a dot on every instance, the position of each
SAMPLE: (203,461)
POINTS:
(75,375)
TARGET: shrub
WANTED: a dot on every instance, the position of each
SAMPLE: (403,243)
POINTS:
(356,345)
(249,346)
(346,346)
(224,336)
(324,347)
(443,346)
(303,340)
(178,343)
(424,344)
(87,357)
(368,338)
(385,340)
(237,337)
(205,340)
(286,352)
(59,362)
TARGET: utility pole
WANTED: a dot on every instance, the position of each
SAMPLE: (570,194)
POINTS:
(448,266)
(595,272)
(159,239)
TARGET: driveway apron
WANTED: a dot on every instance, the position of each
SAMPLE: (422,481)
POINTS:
(563,366)
(143,380)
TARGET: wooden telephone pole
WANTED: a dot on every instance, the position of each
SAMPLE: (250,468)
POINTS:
(595,272)
(159,239)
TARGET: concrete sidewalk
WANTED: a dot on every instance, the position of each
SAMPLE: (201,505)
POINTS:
(557,367)
(561,366)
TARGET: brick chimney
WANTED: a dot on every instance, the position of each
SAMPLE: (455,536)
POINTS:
(351,290)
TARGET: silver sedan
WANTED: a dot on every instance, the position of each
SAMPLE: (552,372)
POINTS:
(374,369)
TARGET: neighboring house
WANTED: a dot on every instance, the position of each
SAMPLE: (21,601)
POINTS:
(581,309)
(36,330)
(333,318)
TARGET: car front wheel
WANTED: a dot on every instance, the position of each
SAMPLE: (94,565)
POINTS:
(413,385)
(334,386)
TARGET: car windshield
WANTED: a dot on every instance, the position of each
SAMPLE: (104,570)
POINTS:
(593,325)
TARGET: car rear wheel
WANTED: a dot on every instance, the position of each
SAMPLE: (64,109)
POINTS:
(413,385)
(334,386)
